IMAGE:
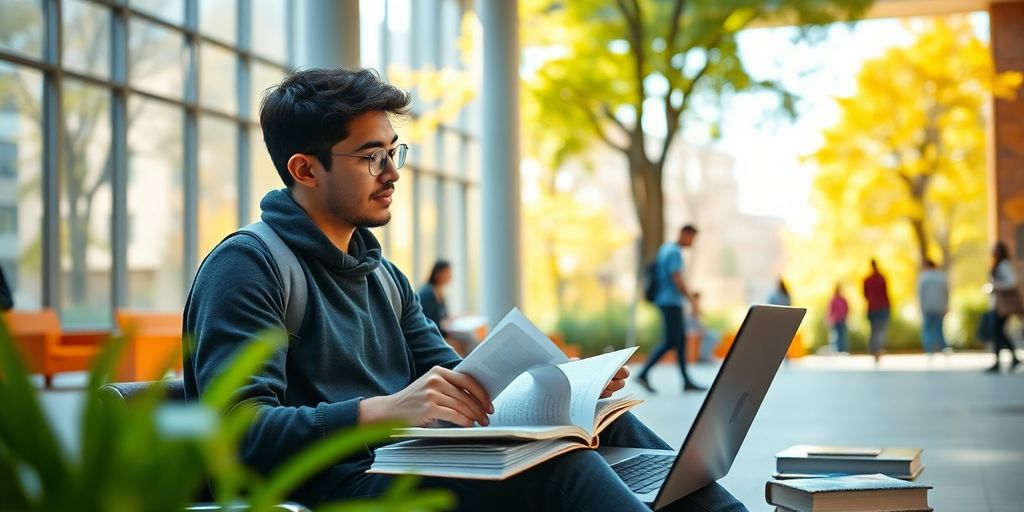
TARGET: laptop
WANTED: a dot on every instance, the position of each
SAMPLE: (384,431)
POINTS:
(661,477)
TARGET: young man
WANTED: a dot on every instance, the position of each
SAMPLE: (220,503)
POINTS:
(671,298)
(330,137)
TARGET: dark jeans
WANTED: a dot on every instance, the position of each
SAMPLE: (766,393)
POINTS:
(879,321)
(673,328)
(840,334)
(932,337)
(580,481)
(999,334)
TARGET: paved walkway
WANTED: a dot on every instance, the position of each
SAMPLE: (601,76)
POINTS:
(970,424)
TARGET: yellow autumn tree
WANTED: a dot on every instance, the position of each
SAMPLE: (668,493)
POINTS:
(902,174)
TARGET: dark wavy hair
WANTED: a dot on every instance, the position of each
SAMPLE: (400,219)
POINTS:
(310,110)
(439,266)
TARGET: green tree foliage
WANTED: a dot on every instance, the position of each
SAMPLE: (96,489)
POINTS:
(610,67)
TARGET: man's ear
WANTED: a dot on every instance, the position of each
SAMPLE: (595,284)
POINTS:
(301,166)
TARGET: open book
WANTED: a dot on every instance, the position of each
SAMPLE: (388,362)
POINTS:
(538,394)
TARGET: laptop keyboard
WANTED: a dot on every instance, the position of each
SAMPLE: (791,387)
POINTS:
(644,473)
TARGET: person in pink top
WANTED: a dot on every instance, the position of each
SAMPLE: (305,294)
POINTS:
(877,294)
(837,310)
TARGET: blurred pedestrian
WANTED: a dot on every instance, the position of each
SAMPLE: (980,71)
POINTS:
(435,308)
(1004,303)
(6,297)
(838,308)
(933,293)
(876,292)
(780,297)
(671,297)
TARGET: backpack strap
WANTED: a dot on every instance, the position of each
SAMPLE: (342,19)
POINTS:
(293,279)
(391,289)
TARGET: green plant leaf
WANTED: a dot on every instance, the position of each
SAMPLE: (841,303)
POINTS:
(248,360)
(24,430)
(317,457)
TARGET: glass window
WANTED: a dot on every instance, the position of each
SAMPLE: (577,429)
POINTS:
(452,153)
(155,240)
(172,11)
(472,161)
(427,216)
(217,72)
(21,182)
(425,152)
(268,30)
(263,77)
(218,19)
(264,175)
(21,27)
(86,35)
(451,19)
(155,59)
(85,206)
(399,42)
(400,229)
(371,26)
(218,191)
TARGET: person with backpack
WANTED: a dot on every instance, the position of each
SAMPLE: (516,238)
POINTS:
(667,290)
(360,350)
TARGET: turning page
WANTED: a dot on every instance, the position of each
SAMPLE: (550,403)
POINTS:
(513,347)
(588,378)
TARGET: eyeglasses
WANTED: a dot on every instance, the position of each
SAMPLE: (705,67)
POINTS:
(378,160)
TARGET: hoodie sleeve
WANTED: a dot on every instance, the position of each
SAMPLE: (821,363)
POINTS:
(423,337)
(236,296)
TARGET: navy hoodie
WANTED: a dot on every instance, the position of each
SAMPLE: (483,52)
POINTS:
(350,345)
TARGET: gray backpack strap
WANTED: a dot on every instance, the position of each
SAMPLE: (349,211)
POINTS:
(391,289)
(292,277)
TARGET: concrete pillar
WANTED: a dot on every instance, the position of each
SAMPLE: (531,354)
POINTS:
(328,34)
(499,151)
(1007,162)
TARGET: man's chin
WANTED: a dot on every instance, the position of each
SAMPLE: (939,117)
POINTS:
(374,222)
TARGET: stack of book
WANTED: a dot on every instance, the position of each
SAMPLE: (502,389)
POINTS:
(861,493)
(544,406)
(803,461)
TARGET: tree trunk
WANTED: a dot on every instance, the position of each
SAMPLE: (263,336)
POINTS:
(649,203)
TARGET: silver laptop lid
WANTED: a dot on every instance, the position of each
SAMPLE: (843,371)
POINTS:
(733,400)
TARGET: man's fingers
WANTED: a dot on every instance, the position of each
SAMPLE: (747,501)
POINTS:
(615,385)
(471,386)
(622,373)
(460,399)
(440,412)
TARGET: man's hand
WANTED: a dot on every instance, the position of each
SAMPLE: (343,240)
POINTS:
(440,394)
(618,382)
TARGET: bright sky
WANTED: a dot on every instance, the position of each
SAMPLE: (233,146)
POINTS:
(771,179)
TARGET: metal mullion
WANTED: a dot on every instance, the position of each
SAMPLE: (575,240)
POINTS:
(119,160)
(22,60)
(242,87)
(142,15)
(289,16)
(220,114)
(53,122)
(190,137)
(92,80)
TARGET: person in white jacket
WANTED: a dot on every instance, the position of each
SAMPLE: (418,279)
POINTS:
(933,292)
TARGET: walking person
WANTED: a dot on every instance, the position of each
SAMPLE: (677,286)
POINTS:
(1005,302)
(933,294)
(780,297)
(671,297)
(876,292)
(838,308)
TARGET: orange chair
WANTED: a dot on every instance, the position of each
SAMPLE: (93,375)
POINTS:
(569,349)
(153,344)
(37,334)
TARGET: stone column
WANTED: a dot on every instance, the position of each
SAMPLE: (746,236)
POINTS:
(499,185)
(328,34)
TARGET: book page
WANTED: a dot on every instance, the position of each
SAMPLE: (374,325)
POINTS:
(540,396)
(513,347)
(588,378)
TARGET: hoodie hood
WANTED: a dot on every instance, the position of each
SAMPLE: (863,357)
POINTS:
(296,228)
